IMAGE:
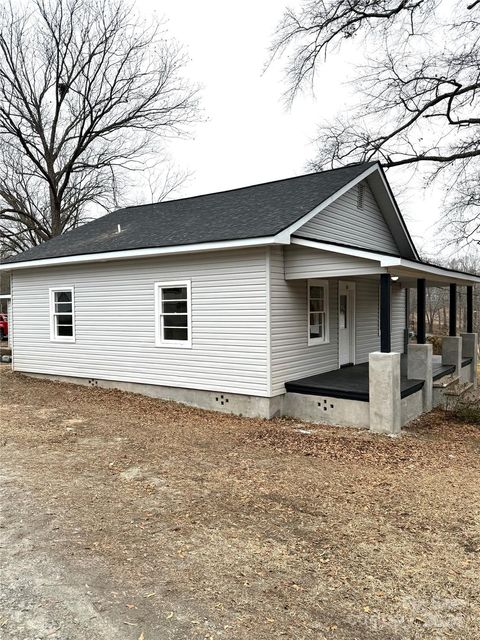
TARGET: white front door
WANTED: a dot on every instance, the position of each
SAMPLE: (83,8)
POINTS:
(346,323)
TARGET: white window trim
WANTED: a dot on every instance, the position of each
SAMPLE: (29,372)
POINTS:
(53,336)
(159,339)
(324,285)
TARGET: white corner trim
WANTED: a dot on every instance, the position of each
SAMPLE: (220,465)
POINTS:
(268,310)
(147,253)
(308,216)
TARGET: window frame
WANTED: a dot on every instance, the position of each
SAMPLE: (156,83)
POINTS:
(160,341)
(325,285)
(54,337)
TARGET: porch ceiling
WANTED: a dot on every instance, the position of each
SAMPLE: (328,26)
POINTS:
(407,271)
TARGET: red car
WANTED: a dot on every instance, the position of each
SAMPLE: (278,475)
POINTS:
(3,326)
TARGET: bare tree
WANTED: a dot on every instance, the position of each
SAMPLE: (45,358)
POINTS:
(88,92)
(419,90)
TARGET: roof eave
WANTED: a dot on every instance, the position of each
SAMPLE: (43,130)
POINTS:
(149,252)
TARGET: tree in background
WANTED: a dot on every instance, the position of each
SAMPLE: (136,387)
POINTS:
(438,298)
(88,93)
(420,93)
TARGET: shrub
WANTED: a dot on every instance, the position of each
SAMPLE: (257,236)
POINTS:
(467,411)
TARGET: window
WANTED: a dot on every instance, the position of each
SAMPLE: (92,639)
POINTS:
(318,330)
(173,314)
(62,322)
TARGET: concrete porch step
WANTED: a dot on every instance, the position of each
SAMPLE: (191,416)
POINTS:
(446,383)
(459,390)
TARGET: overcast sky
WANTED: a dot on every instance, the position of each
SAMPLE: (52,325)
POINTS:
(249,136)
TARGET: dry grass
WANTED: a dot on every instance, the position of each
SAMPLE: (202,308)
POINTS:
(249,528)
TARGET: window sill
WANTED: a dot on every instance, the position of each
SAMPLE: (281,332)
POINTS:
(315,342)
(172,344)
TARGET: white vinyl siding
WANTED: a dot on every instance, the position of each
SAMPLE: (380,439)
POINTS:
(343,222)
(115,322)
(305,262)
(367,318)
(291,355)
(399,301)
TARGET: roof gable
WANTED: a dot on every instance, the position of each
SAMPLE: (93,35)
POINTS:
(354,219)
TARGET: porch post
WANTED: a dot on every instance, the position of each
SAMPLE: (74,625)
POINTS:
(453,310)
(385,313)
(470,309)
(420,367)
(421,296)
(384,392)
(470,350)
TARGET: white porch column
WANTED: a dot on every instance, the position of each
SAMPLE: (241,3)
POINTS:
(452,352)
(470,350)
(384,392)
(419,367)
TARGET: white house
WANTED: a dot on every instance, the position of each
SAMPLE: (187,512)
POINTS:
(263,300)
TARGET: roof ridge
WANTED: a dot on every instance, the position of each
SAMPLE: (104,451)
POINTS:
(249,186)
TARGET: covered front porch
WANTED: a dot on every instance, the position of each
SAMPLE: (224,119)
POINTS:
(353,382)
(389,386)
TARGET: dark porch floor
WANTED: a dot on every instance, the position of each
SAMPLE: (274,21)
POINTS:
(352,382)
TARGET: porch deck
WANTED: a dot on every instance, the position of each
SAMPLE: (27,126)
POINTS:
(352,382)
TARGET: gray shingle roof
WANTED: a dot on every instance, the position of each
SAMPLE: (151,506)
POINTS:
(249,212)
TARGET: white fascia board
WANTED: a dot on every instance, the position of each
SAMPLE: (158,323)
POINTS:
(145,253)
(397,211)
(428,270)
(308,216)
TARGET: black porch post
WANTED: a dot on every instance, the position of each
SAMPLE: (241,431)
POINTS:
(453,310)
(421,297)
(385,313)
(469,309)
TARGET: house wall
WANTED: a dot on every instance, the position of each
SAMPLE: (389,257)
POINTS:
(305,262)
(345,223)
(115,320)
(368,320)
(291,356)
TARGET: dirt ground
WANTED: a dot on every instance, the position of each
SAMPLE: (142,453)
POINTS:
(128,518)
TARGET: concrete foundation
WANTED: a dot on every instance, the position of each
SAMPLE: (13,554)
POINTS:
(411,407)
(250,406)
(467,374)
(326,410)
(470,350)
(384,393)
(452,352)
(419,367)
(308,408)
